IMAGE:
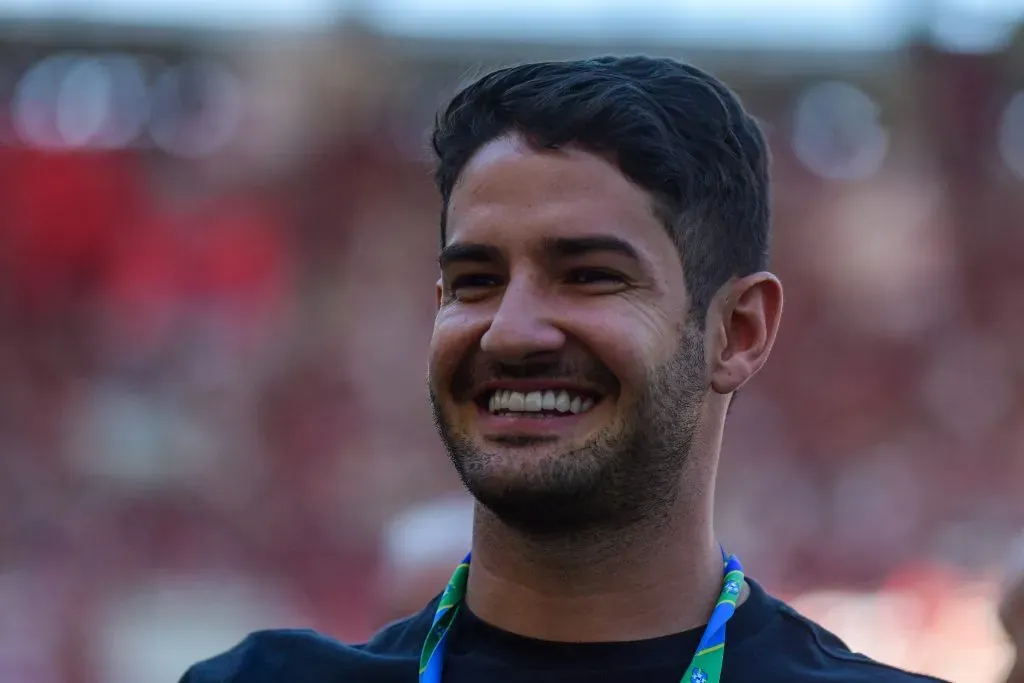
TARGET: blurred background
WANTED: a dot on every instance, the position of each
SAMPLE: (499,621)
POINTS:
(217,253)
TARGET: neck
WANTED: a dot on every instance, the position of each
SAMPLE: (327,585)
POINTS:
(642,582)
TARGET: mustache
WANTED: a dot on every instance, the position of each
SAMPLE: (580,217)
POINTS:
(476,371)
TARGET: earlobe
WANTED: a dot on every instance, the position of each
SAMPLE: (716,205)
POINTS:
(438,294)
(750,311)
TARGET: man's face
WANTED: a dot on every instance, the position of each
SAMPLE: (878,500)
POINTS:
(565,380)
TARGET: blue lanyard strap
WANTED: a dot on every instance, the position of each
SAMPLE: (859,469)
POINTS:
(705,667)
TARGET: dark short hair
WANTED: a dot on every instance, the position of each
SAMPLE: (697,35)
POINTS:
(672,129)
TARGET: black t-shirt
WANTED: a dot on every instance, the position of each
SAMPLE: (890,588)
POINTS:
(766,642)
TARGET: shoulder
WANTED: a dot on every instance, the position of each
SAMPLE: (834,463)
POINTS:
(816,654)
(273,655)
(305,656)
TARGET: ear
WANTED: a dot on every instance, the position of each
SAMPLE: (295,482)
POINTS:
(742,324)
(438,294)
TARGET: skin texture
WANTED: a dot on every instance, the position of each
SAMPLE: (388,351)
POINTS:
(557,273)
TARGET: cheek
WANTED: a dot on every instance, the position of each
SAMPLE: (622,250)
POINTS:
(631,347)
(455,335)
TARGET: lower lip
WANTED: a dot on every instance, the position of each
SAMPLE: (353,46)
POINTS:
(522,424)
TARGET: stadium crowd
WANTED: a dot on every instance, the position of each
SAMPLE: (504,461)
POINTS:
(212,398)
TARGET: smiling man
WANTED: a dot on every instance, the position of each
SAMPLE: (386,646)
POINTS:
(603,295)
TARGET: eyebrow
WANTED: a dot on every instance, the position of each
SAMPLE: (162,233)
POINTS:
(468,252)
(567,247)
(559,247)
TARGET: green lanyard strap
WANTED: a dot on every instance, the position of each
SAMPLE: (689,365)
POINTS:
(706,666)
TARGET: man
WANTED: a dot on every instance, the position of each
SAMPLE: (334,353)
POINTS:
(1011,613)
(602,296)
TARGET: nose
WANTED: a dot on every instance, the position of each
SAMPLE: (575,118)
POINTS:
(523,325)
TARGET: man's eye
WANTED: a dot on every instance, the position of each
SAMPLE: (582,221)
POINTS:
(474,281)
(465,286)
(588,276)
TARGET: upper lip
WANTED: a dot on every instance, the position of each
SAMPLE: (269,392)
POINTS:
(527,385)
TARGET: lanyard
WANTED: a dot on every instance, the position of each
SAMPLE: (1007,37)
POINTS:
(706,666)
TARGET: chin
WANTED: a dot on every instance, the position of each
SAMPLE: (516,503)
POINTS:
(537,511)
(542,486)
(593,470)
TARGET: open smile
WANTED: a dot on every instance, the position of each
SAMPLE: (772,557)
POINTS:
(531,408)
(549,402)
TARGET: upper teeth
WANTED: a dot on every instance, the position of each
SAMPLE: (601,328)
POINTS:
(536,401)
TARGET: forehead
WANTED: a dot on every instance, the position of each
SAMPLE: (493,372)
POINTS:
(512,195)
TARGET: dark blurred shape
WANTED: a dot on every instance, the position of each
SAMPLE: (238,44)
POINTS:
(1011,612)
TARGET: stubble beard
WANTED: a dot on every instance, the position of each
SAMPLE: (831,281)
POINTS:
(627,474)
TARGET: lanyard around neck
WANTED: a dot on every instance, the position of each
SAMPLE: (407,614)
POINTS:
(705,667)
